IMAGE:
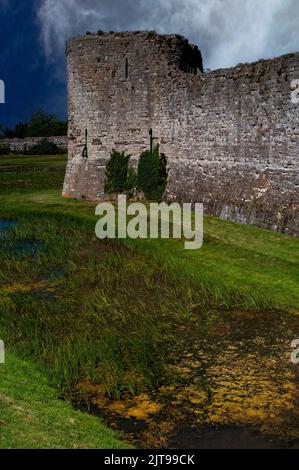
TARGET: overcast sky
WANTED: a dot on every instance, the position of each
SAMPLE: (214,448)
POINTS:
(227,31)
(33,35)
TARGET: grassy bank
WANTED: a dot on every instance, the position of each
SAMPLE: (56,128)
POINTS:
(119,315)
(33,417)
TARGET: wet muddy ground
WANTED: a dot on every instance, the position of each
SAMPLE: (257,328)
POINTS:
(235,387)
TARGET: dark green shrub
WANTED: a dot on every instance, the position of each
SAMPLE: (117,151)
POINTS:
(152,174)
(117,172)
(132,180)
(44,148)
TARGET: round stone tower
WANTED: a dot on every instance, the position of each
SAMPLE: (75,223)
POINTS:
(116,84)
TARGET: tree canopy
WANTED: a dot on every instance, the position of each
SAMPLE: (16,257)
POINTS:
(41,124)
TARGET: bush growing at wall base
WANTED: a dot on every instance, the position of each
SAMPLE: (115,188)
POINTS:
(117,172)
(132,180)
(152,174)
(151,177)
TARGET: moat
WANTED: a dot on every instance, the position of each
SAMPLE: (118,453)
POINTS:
(235,388)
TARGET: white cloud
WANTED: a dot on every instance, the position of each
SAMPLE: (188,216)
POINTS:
(227,31)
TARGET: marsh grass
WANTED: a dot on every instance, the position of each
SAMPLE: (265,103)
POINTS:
(101,320)
(113,312)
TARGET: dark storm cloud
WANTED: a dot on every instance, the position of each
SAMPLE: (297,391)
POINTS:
(227,31)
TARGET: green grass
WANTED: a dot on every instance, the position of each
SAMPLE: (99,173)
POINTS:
(25,172)
(108,312)
(33,417)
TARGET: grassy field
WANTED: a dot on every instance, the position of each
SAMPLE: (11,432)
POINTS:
(113,320)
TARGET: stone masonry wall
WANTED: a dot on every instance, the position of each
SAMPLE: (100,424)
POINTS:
(19,145)
(231,137)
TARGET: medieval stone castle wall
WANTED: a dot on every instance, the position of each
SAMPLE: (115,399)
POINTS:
(231,137)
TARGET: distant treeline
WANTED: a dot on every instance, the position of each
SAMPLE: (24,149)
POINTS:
(41,124)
